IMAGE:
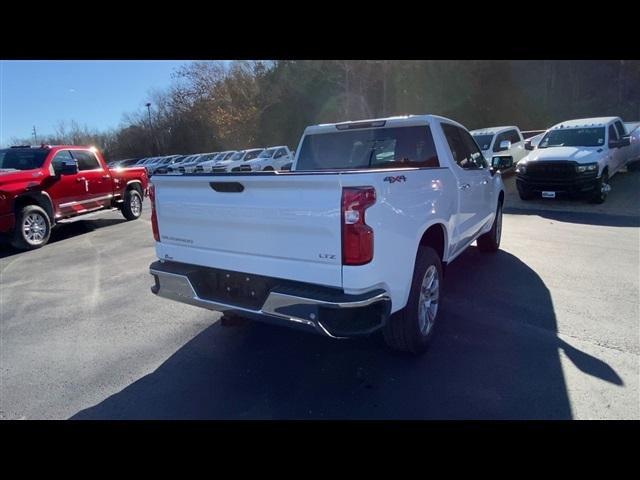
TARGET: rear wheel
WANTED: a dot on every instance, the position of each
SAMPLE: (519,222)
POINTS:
(267,169)
(411,329)
(33,228)
(490,241)
(132,206)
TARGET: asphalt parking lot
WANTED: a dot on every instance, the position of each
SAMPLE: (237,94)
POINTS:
(547,328)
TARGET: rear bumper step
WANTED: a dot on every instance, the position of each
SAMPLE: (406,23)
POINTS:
(329,312)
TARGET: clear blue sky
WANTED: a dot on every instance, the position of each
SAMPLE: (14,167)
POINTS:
(95,93)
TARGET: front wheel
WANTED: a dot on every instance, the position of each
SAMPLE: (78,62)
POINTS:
(490,241)
(33,228)
(267,169)
(411,329)
(132,206)
(602,189)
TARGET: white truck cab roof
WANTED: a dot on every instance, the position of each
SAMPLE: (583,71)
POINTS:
(586,122)
(396,121)
(493,130)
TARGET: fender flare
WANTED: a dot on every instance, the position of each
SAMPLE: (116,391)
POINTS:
(40,198)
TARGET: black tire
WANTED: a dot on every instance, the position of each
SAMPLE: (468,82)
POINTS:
(403,331)
(132,206)
(525,194)
(490,241)
(267,169)
(22,240)
(599,196)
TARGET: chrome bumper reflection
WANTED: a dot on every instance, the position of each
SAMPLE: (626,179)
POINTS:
(178,287)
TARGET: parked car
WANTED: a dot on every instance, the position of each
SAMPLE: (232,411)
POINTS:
(340,254)
(193,164)
(272,158)
(500,142)
(210,164)
(578,157)
(44,186)
(129,162)
(161,165)
(237,161)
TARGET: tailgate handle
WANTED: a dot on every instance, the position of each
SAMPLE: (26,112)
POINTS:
(227,186)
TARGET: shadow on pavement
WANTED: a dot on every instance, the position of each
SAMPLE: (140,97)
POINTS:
(63,232)
(601,219)
(496,356)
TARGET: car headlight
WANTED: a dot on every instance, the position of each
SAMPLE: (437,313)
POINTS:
(521,167)
(588,167)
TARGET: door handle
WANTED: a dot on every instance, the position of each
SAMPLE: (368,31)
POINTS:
(104,177)
(81,179)
(464,186)
(484,182)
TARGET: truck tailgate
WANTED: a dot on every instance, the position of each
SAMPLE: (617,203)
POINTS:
(283,226)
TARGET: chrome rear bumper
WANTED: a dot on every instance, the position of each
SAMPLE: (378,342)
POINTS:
(339,317)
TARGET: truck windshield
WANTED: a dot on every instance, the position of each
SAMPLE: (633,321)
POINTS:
(268,153)
(574,137)
(22,158)
(372,148)
(252,155)
(483,141)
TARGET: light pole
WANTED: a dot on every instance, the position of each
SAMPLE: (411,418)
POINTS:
(148,105)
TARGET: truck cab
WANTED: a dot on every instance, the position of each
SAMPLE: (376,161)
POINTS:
(505,142)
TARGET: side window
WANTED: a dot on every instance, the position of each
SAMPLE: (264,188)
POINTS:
(621,131)
(464,149)
(513,136)
(475,154)
(86,160)
(62,156)
(612,133)
(280,153)
(500,138)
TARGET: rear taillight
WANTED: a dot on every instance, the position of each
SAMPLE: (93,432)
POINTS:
(154,217)
(357,236)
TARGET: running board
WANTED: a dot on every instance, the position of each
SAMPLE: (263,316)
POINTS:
(86,216)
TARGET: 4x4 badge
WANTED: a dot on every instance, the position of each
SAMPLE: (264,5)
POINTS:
(399,178)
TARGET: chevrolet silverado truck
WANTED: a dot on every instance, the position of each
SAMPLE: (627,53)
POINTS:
(501,142)
(578,158)
(48,185)
(353,240)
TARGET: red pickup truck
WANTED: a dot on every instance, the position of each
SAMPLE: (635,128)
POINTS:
(46,185)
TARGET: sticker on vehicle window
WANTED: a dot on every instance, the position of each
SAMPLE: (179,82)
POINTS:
(600,141)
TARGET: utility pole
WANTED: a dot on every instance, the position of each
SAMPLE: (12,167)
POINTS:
(35,136)
(148,105)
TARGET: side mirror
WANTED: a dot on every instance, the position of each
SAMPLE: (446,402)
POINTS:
(528,146)
(501,163)
(625,141)
(504,145)
(65,167)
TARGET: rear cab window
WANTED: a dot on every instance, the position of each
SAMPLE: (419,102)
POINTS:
(390,147)
(22,158)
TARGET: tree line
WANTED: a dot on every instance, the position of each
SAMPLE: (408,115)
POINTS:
(213,106)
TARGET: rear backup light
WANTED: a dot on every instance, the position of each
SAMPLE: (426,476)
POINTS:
(154,217)
(357,236)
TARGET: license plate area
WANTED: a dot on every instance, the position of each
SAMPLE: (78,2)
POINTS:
(548,194)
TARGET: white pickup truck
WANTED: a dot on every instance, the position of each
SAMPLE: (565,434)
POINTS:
(353,240)
(501,142)
(578,157)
